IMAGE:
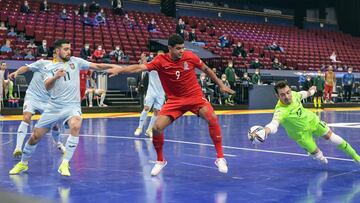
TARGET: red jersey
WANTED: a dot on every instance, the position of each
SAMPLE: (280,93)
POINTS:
(178,78)
(83,77)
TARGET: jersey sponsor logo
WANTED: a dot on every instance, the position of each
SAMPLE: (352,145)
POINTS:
(186,66)
(72,66)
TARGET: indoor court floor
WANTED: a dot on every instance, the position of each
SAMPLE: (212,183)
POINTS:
(112,165)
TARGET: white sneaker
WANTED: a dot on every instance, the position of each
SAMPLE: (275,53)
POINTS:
(222,165)
(321,159)
(159,165)
(61,147)
(138,131)
(90,105)
(149,132)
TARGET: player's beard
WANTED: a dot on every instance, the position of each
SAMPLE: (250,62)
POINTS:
(287,101)
(66,58)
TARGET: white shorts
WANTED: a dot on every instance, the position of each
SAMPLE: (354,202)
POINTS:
(32,105)
(53,116)
(154,101)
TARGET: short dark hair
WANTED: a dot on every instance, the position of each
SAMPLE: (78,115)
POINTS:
(175,39)
(280,84)
(58,43)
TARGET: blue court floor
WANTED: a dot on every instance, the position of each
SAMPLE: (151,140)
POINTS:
(111,165)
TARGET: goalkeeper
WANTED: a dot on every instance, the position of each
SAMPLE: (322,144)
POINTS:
(302,125)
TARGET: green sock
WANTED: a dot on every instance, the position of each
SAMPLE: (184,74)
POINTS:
(346,147)
(11,88)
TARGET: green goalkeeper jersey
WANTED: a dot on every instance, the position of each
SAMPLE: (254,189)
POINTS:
(294,117)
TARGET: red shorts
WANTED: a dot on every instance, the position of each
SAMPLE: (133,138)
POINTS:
(328,88)
(177,107)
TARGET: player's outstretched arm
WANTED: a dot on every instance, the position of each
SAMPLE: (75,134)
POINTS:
(21,70)
(272,127)
(103,66)
(49,83)
(136,68)
(212,75)
(309,93)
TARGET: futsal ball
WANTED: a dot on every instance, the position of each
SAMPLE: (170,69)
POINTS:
(257,134)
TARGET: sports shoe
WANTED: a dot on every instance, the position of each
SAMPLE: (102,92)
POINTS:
(103,105)
(222,165)
(61,147)
(17,153)
(149,132)
(138,131)
(18,168)
(64,168)
(321,159)
(159,165)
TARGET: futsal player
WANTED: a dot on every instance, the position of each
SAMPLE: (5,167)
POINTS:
(176,71)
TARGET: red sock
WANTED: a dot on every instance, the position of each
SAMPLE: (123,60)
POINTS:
(215,134)
(158,142)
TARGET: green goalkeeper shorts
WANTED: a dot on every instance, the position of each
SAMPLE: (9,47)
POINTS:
(306,139)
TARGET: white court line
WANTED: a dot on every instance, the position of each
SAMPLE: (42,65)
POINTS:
(198,165)
(6,142)
(342,174)
(230,155)
(203,144)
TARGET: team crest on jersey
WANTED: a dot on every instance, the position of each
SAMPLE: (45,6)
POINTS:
(186,66)
(72,66)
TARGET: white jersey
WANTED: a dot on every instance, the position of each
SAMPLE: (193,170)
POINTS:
(155,87)
(36,90)
(66,90)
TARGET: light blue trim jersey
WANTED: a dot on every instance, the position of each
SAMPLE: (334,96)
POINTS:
(66,90)
(36,90)
(155,87)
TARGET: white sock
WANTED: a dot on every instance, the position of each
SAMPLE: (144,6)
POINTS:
(318,155)
(70,145)
(336,139)
(55,135)
(27,152)
(90,98)
(152,121)
(143,118)
(102,99)
(21,134)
